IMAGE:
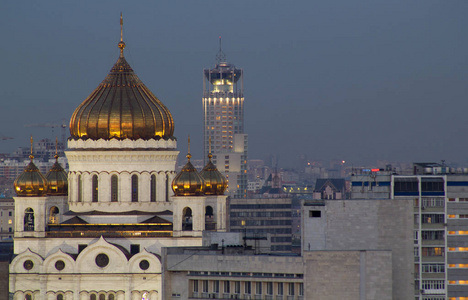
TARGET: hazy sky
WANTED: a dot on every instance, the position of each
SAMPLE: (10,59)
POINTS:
(352,80)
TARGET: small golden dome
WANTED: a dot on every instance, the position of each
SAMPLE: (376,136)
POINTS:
(215,182)
(188,182)
(31,182)
(57,180)
(121,107)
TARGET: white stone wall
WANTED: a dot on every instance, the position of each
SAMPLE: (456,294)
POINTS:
(82,276)
(85,164)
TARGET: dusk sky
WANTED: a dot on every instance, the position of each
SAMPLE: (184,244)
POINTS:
(359,81)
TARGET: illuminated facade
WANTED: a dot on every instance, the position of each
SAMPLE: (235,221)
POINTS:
(98,232)
(223,108)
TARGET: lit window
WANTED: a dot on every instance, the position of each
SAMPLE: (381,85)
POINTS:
(458,265)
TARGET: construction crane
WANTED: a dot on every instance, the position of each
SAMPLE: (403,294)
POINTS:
(63,126)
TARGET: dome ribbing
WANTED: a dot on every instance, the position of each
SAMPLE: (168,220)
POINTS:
(121,107)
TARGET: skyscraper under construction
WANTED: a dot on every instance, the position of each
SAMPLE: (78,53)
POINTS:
(223,107)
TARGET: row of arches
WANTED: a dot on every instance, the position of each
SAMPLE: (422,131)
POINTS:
(28,218)
(187,219)
(121,187)
(120,295)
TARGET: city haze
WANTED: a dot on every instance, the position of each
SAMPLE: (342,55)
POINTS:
(358,81)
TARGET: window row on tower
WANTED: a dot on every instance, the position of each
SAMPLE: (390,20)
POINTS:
(121,187)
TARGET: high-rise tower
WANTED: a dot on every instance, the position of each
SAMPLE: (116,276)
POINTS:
(223,107)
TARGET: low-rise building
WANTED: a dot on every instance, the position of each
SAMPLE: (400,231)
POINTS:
(7,216)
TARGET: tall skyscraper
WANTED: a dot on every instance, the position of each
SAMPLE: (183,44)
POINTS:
(223,107)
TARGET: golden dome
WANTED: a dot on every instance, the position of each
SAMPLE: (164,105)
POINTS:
(31,182)
(188,182)
(215,182)
(57,180)
(121,107)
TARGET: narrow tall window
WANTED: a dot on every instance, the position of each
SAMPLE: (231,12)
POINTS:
(280,288)
(258,288)
(95,188)
(153,188)
(29,219)
(237,288)
(247,287)
(134,188)
(80,185)
(187,219)
(291,289)
(114,188)
(269,288)
(167,187)
(53,215)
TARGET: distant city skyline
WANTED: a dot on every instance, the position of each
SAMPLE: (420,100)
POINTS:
(361,81)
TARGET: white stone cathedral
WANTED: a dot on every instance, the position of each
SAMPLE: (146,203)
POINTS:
(97,233)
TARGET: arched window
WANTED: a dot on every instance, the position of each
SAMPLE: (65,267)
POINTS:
(209,212)
(210,223)
(93,297)
(28,297)
(153,188)
(134,188)
(80,192)
(111,297)
(187,219)
(114,188)
(95,188)
(102,297)
(53,215)
(59,297)
(29,219)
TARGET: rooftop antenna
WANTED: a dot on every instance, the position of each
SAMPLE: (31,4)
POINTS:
(220,57)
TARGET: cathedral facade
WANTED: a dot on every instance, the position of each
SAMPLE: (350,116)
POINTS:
(97,232)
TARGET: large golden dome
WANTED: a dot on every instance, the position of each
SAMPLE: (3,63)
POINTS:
(121,107)
(31,182)
(57,180)
(215,182)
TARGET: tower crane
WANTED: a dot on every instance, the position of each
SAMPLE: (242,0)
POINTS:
(62,126)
